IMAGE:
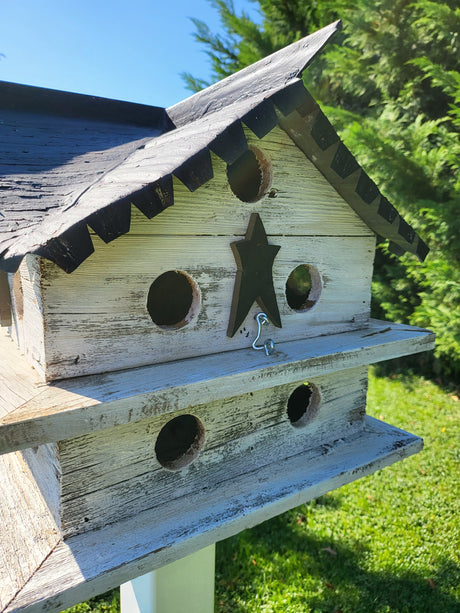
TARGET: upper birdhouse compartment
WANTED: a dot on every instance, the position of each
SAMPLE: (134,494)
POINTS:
(271,214)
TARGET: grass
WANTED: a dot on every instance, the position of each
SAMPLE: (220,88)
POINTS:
(386,543)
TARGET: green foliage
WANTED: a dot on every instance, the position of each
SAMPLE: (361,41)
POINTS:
(105,603)
(392,90)
(385,543)
(402,123)
(246,41)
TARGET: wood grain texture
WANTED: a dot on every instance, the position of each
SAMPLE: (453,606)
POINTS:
(28,533)
(102,482)
(44,465)
(28,323)
(316,137)
(87,313)
(270,73)
(93,562)
(87,404)
(96,319)
(299,202)
(19,382)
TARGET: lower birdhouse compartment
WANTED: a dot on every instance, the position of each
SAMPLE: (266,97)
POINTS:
(123,473)
(105,476)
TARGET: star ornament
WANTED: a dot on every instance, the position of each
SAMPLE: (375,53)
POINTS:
(254,278)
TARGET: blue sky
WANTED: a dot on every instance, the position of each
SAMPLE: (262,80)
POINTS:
(125,49)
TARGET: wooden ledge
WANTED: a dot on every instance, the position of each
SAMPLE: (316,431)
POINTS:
(88,564)
(72,407)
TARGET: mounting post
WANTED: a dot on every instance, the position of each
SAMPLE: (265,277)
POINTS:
(184,585)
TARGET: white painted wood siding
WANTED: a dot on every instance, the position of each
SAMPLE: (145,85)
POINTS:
(34,413)
(95,320)
(113,474)
(88,564)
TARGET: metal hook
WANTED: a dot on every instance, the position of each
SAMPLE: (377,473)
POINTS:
(269,345)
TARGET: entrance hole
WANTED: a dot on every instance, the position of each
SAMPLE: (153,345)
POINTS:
(303,287)
(179,442)
(173,300)
(250,176)
(303,404)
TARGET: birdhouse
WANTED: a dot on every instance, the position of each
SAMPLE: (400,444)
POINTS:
(185,296)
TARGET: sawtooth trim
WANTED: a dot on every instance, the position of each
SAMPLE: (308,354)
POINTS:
(291,97)
(112,221)
(155,197)
(196,171)
(261,119)
(69,249)
(315,136)
(230,144)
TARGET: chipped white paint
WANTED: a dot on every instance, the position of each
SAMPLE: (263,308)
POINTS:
(47,413)
(101,482)
(89,563)
(96,320)
(28,533)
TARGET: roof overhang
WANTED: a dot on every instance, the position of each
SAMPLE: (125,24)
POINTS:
(78,163)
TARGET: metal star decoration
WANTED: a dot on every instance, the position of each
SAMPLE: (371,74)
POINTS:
(254,278)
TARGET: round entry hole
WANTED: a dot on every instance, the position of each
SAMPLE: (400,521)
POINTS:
(179,442)
(303,287)
(173,300)
(250,176)
(303,404)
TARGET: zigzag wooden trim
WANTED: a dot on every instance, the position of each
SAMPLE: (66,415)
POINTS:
(69,249)
(112,221)
(230,144)
(196,171)
(154,198)
(312,132)
(261,119)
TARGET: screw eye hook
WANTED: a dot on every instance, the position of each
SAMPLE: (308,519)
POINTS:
(269,345)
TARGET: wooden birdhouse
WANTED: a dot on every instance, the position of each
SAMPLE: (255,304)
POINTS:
(185,296)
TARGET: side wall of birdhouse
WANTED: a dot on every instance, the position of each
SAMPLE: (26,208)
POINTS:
(93,480)
(97,319)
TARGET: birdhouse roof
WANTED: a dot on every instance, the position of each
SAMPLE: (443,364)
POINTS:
(74,163)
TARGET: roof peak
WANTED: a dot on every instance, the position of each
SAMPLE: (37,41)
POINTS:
(268,74)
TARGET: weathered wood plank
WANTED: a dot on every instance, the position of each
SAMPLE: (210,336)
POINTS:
(91,563)
(28,533)
(300,201)
(96,319)
(28,325)
(102,483)
(19,382)
(74,407)
(43,463)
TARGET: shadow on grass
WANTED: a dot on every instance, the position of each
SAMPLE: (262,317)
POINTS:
(332,575)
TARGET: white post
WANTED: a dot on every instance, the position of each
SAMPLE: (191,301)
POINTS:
(184,585)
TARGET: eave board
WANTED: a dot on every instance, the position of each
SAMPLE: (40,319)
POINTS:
(78,406)
(88,564)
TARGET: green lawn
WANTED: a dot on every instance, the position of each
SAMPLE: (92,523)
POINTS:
(388,542)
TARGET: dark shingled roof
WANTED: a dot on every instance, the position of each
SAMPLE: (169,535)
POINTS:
(70,162)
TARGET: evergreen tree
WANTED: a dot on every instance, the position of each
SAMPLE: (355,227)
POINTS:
(392,89)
